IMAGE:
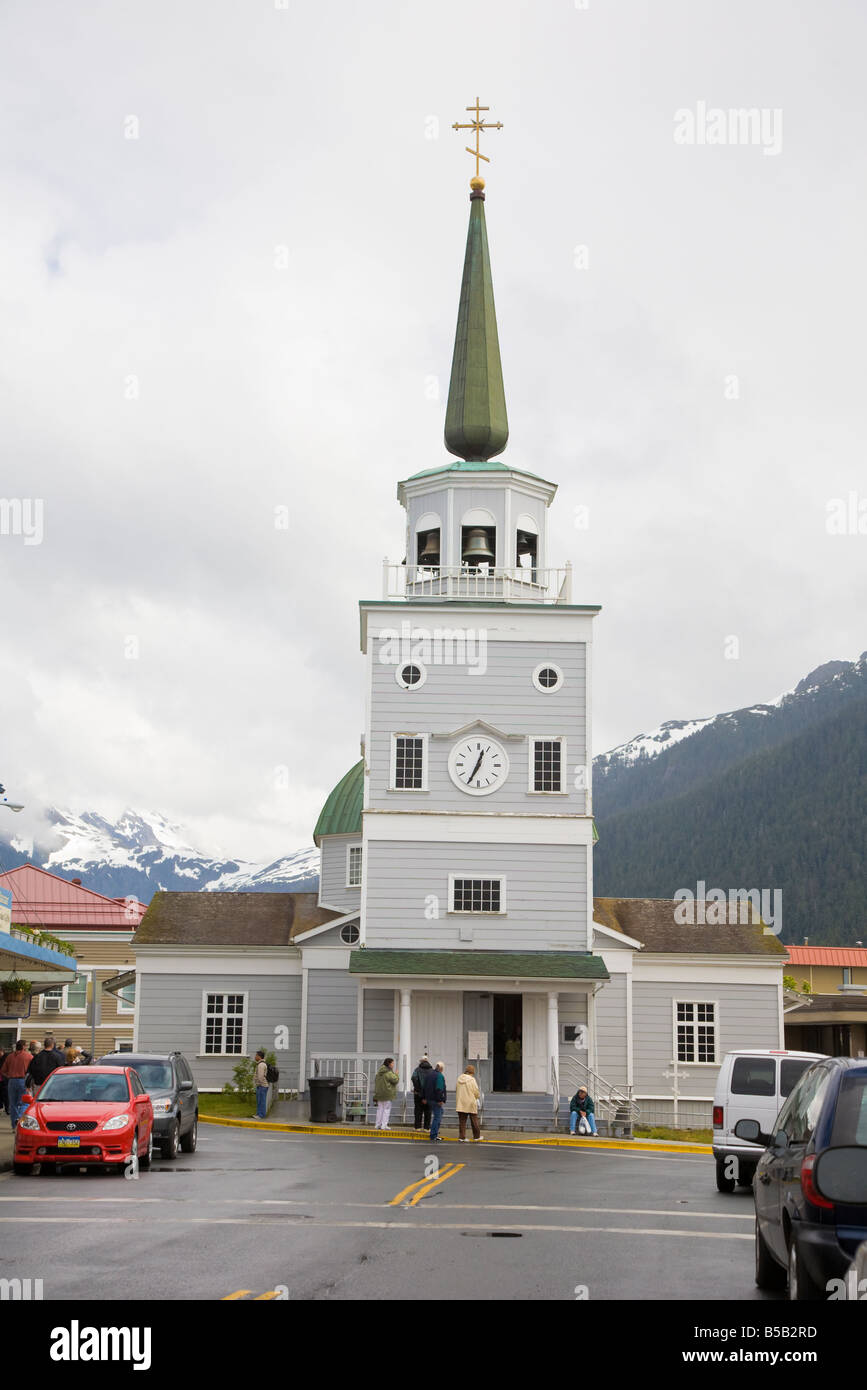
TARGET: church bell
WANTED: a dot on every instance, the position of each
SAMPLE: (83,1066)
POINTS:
(430,552)
(477,549)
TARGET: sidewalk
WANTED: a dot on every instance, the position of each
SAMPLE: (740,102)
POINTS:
(491,1136)
(6,1142)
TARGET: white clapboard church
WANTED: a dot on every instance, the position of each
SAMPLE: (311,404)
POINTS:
(455,914)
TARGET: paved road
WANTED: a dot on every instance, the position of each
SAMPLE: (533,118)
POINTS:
(355,1219)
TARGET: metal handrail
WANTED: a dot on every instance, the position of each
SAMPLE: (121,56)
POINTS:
(604,1093)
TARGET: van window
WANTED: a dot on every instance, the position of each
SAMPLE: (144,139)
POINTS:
(754,1076)
(791,1070)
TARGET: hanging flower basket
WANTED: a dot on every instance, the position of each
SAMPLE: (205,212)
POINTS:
(16,997)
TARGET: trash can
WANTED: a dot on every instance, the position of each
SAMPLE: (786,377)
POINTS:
(323,1098)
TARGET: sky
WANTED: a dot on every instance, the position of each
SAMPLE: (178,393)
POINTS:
(230,259)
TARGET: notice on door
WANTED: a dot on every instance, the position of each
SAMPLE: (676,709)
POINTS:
(477,1047)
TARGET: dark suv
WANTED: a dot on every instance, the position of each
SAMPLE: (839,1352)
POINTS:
(810,1184)
(169,1082)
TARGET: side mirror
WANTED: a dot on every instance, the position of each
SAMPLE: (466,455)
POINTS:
(27,1098)
(841,1175)
(780,1141)
(749,1129)
(185,1086)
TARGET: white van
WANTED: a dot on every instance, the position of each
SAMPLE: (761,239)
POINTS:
(752,1085)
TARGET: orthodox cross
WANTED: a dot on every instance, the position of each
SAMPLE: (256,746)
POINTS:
(478,125)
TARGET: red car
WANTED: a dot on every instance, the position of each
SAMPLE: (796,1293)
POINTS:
(86,1115)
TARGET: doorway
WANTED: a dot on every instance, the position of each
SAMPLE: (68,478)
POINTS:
(508,1019)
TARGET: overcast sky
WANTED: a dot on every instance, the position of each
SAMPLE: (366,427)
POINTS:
(242,309)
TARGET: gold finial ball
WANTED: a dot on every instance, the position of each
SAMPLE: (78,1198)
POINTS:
(477,184)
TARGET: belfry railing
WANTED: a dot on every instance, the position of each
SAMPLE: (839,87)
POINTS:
(509,584)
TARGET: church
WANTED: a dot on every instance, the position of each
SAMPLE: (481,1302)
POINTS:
(455,914)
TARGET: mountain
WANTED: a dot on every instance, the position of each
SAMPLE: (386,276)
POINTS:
(770,796)
(143,852)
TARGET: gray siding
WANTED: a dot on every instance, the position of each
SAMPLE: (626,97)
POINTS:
(546,896)
(572,1008)
(379,1028)
(611,1030)
(505,697)
(332,875)
(747,1017)
(170,1017)
(332,1011)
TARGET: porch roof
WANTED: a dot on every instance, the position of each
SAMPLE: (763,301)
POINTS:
(542,965)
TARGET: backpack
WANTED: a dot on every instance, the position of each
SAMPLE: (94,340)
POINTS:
(272,1075)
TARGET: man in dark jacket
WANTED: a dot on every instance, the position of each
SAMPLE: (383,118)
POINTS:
(422,1109)
(434,1092)
(45,1062)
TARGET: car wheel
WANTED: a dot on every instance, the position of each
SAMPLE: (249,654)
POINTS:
(169,1145)
(22,1170)
(802,1287)
(723,1183)
(769,1274)
(147,1157)
(189,1140)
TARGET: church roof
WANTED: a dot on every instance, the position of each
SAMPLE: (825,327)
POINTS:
(230,919)
(518,965)
(652,922)
(341,814)
(476,424)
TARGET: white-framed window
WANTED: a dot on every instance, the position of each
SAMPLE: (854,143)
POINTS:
(126,999)
(224,1024)
(695,1031)
(353,866)
(409,762)
(547,769)
(123,1044)
(485,893)
(67,999)
(410,675)
(350,934)
(547,677)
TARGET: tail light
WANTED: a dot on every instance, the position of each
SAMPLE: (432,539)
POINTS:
(808,1187)
(717,1117)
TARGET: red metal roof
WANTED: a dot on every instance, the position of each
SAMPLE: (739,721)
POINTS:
(41,899)
(828,955)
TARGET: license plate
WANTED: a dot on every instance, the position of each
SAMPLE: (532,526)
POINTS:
(68,1143)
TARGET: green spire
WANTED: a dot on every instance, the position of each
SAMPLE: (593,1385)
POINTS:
(476,424)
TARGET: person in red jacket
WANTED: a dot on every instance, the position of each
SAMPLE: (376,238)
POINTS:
(15,1068)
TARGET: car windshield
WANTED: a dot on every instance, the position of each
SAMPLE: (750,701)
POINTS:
(85,1085)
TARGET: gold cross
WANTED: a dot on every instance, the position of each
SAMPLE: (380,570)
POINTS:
(478,125)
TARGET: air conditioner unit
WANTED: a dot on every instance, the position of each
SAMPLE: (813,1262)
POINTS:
(51,1004)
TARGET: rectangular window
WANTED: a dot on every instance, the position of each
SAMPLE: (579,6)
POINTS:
(223,1025)
(123,1044)
(353,866)
(76,994)
(477,894)
(409,762)
(547,758)
(126,999)
(695,1032)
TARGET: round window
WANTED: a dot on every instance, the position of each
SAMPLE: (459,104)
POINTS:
(410,676)
(547,677)
(349,934)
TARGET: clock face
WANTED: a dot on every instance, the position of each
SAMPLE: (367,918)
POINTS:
(478,765)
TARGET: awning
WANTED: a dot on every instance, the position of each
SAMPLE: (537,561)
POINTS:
(508,965)
(115,983)
(43,967)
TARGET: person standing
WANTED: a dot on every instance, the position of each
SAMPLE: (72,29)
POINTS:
(261,1077)
(15,1068)
(45,1062)
(422,1109)
(513,1060)
(467,1097)
(384,1091)
(436,1097)
(582,1112)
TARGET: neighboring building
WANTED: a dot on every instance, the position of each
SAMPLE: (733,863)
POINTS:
(833,1018)
(101,930)
(456,885)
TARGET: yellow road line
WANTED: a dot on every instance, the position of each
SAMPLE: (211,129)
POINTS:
(396,1201)
(272,1293)
(443,1177)
(239,1293)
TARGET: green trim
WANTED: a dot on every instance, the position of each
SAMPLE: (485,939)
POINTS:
(341,814)
(476,425)
(519,965)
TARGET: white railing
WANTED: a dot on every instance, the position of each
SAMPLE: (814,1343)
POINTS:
(511,584)
(614,1104)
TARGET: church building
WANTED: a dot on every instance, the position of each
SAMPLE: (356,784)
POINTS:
(455,914)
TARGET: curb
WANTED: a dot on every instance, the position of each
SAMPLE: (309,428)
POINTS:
(538,1141)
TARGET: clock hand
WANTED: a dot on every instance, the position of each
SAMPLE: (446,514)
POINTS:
(477,766)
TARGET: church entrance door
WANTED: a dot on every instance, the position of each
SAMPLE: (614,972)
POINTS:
(508,1021)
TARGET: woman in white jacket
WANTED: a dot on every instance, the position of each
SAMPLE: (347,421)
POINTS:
(467,1097)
